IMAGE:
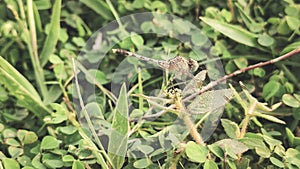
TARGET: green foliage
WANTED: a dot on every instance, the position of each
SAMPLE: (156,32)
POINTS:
(39,125)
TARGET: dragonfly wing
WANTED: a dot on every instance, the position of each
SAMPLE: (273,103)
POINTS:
(195,84)
(209,101)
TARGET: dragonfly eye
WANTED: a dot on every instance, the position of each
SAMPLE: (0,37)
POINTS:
(193,65)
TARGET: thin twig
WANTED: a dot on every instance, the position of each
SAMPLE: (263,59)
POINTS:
(226,77)
(261,64)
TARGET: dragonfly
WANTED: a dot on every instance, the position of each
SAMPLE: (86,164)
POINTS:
(180,66)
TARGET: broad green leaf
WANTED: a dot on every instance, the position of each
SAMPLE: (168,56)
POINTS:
(137,40)
(243,163)
(228,150)
(231,128)
(78,165)
(231,164)
(14,152)
(235,146)
(9,163)
(196,152)
(293,141)
(283,28)
(263,151)
(198,38)
(232,31)
(293,22)
(68,130)
(241,62)
(290,100)
(21,88)
(52,160)
(12,142)
(142,163)
(24,161)
(36,162)
(265,40)
(210,164)
(271,89)
(52,38)
(27,137)
(49,142)
(276,162)
(68,158)
(214,148)
(97,75)
(117,146)
(293,157)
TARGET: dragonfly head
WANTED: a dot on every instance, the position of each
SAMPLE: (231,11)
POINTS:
(193,65)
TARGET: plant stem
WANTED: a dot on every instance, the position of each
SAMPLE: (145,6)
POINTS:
(87,117)
(261,64)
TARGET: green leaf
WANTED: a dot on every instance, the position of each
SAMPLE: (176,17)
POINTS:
(234,32)
(195,152)
(269,117)
(37,163)
(142,163)
(15,151)
(293,141)
(241,62)
(263,152)
(78,165)
(292,22)
(9,163)
(24,161)
(117,146)
(98,75)
(68,158)
(235,146)
(265,40)
(290,100)
(231,128)
(52,160)
(12,142)
(52,38)
(21,88)
(276,162)
(68,130)
(27,137)
(271,89)
(216,150)
(293,157)
(210,164)
(198,38)
(49,142)
(137,40)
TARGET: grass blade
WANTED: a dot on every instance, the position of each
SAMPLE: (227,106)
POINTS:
(233,32)
(31,41)
(20,87)
(118,139)
(99,7)
(52,38)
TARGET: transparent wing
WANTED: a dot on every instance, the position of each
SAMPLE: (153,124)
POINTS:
(209,101)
